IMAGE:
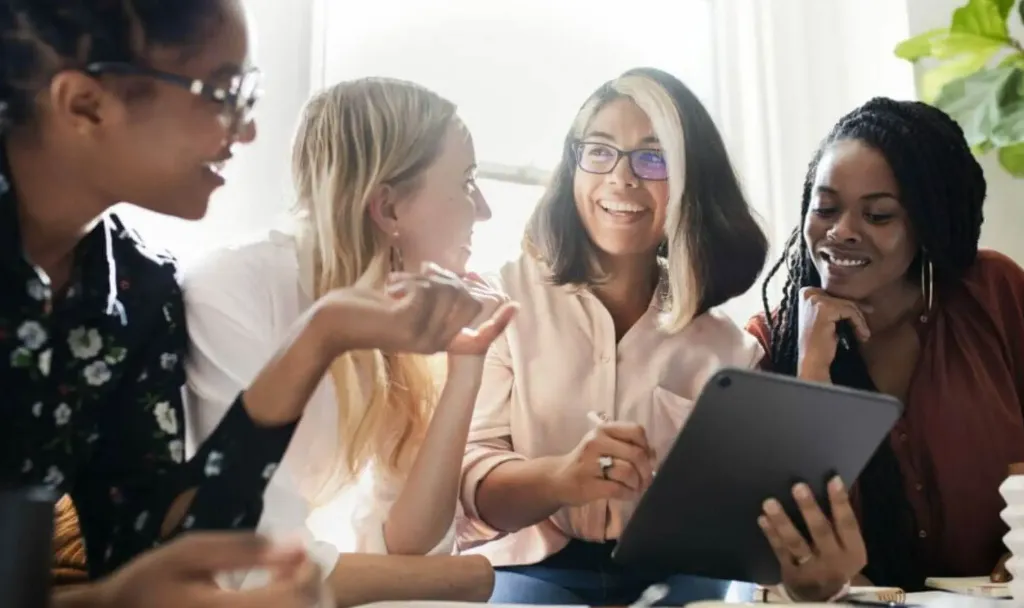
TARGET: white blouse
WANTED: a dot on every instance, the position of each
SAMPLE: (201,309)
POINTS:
(241,304)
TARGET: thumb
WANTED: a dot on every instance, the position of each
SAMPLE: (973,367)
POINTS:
(499,321)
(204,554)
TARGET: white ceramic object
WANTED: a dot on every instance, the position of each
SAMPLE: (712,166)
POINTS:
(1012,491)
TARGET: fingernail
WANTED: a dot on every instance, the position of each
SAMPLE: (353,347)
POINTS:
(801,490)
(772,507)
(836,484)
(762,521)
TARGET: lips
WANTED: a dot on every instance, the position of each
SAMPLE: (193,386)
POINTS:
(621,207)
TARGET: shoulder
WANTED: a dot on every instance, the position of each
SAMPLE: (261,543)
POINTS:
(148,271)
(522,277)
(717,334)
(995,272)
(263,266)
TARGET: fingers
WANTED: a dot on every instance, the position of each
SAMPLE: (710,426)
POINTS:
(630,432)
(832,310)
(793,543)
(818,526)
(478,340)
(207,553)
(633,465)
(1000,574)
(844,520)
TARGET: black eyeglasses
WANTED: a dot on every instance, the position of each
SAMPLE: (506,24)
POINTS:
(594,157)
(237,99)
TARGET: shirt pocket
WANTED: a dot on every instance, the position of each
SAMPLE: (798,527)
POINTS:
(668,415)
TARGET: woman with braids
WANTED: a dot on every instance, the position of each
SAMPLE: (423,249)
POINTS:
(103,101)
(888,254)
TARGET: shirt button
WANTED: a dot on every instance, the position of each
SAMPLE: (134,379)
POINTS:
(918,487)
(903,437)
(922,534)
(606,358)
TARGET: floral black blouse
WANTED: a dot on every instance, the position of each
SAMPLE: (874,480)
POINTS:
(91,396)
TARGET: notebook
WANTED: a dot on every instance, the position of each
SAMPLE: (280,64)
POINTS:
(980,586)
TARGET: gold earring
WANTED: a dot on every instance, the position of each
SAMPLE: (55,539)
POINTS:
(927,285)
(397,264)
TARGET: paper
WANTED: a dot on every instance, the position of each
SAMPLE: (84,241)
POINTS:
(980,586)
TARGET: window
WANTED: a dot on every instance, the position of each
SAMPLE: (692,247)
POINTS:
(518,72)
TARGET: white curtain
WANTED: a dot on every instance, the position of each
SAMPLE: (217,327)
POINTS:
(786,71)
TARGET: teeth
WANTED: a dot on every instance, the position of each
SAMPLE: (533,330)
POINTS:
(216,167)
(615,207)
(846,262)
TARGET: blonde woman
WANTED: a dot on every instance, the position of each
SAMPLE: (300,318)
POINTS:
(384,173)
(643,232)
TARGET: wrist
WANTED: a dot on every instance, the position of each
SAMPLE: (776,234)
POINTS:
(89,595)
(813,370)
(462,368)
(553,480)
(326,333)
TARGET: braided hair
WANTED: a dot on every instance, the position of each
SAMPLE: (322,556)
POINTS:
(39,38)
(942,189)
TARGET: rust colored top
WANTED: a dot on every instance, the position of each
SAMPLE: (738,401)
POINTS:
(962,426)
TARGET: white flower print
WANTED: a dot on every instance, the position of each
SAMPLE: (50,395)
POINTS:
(213,464)
(269,470)
(188,522)
(37,409)
(32,335)
(166,417)
(36,290)
(140,521)
(44,361)
(26,466)
(167,312)
(96,373)
(53,477)
(62,414)
(168,361)
(85,343)
(4,186)
(177,449)
(21,357)
(116,355)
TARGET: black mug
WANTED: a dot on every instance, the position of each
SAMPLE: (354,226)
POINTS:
(26,546)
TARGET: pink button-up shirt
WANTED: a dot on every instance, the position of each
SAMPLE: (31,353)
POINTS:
(560,360)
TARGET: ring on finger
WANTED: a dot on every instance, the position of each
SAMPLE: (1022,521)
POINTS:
(606,463)
(801,560)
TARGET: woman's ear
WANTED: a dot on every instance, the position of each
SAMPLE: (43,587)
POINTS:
(382,209)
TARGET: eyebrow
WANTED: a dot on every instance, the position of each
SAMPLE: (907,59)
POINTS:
(871,196)
(650,139)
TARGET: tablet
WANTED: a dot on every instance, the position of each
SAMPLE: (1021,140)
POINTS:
(751,436)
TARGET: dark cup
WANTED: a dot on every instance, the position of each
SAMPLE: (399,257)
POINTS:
(26,547)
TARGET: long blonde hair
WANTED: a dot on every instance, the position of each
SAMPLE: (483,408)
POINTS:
(354,138)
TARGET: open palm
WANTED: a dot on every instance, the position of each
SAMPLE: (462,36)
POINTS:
(496,314)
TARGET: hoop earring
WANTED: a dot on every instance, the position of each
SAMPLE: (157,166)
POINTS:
(927,285)
(395,254)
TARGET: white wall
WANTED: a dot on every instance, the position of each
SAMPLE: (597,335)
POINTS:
(1004,209)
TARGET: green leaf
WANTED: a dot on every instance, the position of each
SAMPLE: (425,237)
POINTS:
(982,17)
(989,105)
(920,46)
(1020,9)
(1005,6)
(934,80)
(1015,59)
(966,43)
(1012,159)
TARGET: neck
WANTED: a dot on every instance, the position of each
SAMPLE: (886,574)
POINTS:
(628,286)
(893,305)
(54,213)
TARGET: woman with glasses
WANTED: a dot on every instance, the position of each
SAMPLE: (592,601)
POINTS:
(103,102)
(642,233)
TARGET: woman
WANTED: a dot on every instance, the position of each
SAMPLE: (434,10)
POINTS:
(619,295)
(891,216)
(384,172)
(143,102)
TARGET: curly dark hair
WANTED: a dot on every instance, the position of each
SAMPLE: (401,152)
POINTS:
(942,189)
(39,38)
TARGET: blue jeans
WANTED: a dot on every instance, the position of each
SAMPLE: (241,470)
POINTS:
(583,573)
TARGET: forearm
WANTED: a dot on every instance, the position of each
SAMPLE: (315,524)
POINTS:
(89,595)
(424,511)
(280,391)
(360,578)
(519,493)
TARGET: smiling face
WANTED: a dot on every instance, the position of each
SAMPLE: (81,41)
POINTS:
(624,214)
(856,230)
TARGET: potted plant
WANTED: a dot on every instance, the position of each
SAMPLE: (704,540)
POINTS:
(978,77)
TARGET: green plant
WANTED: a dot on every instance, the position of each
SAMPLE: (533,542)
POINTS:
(979,77)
